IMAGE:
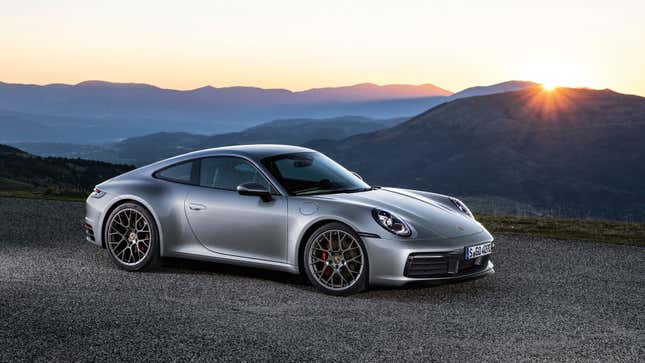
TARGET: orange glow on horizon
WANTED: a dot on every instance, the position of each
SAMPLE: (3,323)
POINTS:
(300,45)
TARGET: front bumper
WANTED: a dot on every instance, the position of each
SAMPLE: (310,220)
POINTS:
(391,261)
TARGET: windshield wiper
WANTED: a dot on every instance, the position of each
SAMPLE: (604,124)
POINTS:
(331,191)
(358,190)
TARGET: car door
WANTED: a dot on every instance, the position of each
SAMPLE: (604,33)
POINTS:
(229,223)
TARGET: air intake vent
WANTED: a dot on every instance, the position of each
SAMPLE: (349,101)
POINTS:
(448,264)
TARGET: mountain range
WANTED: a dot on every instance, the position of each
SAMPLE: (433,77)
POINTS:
(96,111)
(100,112)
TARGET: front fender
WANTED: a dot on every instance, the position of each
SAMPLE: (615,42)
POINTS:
(305,213)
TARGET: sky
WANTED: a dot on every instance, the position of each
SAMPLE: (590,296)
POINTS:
(305,44)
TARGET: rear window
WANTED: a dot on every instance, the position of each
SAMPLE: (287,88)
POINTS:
(182,173)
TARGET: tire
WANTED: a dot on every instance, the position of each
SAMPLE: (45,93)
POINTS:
(335,260)
(132,238)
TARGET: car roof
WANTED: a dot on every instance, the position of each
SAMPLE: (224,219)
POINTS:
(253,152)
(257,151)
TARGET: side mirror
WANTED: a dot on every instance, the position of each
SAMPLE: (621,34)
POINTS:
(256,189)
(357,175)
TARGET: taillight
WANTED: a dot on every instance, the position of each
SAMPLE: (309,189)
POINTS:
(97,193)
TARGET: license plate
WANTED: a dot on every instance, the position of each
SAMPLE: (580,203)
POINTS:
(479,250)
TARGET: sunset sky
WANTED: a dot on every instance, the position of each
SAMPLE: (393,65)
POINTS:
(304,44)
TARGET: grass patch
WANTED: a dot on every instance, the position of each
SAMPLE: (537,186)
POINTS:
(569,229)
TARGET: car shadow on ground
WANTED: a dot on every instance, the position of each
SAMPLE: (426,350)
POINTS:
(178,265)
(464,289)
(420,289)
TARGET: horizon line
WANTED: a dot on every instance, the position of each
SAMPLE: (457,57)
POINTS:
(224,87)
(297,91)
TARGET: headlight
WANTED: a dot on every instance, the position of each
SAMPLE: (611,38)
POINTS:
(391,222)
(462,207)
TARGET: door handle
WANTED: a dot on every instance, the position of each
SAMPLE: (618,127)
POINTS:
(196,206)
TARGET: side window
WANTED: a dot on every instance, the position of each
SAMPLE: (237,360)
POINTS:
(228,172)
(181,173)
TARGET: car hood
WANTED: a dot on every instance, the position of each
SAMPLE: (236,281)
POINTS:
(427,217)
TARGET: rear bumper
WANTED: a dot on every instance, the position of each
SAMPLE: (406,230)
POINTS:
(89,232)
(390,260)
(91,235)
(94,218)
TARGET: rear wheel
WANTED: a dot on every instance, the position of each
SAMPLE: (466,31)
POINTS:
(336,260)
(132,238)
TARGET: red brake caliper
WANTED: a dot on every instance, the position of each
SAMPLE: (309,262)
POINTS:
(323,256)
(144,246)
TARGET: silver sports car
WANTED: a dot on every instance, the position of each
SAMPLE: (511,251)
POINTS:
(285,208)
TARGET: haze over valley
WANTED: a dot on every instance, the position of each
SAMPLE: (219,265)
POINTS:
(99,112)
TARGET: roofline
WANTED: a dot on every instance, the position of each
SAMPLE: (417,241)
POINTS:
(255,152)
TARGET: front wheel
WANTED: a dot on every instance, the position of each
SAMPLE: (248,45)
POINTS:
(336,260)
(132,238)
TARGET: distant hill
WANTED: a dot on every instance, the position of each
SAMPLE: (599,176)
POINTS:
(502,87)
(22,171)
(149,148)
(372,92)
(299,131)
(508,86)
(570,152)
(97,111)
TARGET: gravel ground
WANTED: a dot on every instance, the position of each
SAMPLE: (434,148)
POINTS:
(62,299)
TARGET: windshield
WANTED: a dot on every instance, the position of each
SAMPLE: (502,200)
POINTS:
(311,173)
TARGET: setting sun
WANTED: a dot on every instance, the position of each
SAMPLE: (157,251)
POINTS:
(551,76)
(548,86)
